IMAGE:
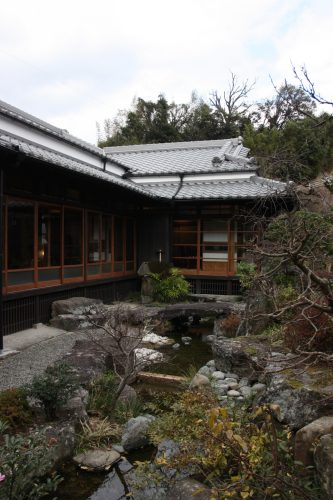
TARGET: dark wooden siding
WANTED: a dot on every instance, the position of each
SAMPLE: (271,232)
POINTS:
(21,311)
(153,235)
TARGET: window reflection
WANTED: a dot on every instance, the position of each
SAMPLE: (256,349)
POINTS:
(49,223)
(20,234)
(72,237)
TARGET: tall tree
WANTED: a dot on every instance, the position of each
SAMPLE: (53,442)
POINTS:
(231,107)
(289,103)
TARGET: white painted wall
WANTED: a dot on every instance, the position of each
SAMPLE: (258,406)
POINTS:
(8,125)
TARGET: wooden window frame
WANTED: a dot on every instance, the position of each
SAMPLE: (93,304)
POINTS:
(55,282)
(84,277)
(231,264)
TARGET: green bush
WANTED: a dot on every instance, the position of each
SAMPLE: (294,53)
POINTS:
(170,287)
(246,272)
(24,463)
(14,409)
(101,394)
(101,400)
(53,388)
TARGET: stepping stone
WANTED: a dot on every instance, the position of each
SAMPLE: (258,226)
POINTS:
(93,460)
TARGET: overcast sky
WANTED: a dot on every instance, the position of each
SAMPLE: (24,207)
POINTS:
(73,63)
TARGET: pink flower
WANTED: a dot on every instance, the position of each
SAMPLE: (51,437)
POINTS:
(2,477)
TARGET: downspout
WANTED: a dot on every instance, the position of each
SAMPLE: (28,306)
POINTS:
(181,181)
(172,204)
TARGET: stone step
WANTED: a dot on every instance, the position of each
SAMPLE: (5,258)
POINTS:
(161,378)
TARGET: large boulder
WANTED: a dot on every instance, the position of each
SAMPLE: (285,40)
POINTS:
(298,397)
(306,437)
(323,456)
(135,432)
(75,408)
(76,313)
(75,305)
(89,359)
(244,356)
(295,401)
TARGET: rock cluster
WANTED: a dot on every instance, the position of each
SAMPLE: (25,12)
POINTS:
(225,385)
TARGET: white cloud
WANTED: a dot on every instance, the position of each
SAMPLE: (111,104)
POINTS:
(76,62)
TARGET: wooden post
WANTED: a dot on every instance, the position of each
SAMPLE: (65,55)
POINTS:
(1,259)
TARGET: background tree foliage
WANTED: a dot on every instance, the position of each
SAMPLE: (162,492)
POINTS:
(290,140)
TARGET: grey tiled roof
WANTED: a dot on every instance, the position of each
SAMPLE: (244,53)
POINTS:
(42,153)
(23,117)
(254,187)
(183,157)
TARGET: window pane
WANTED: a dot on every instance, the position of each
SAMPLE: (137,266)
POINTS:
(118,239)
(93,269)
(106,241)
(20,234)
(20,278)
(93,237)
(184,251)
(48,274)
(129,239)
(49,236)
(72,237)
(73,272)
(215,231)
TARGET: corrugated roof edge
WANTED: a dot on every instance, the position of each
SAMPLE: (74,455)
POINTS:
(133,175)
(165,146)
(23,117)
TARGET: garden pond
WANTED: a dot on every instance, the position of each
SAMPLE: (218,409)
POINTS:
(79,484)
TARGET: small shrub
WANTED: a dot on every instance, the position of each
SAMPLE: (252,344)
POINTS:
(169,287)
(101,400)
(161,402)
(246,272)
(54,388)
(101,394)
(24,461)
(230,325)
(242,455)
(285,294)
(125,410)
(274,332)
(14,409)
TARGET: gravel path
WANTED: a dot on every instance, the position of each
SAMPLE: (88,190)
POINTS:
(19,369)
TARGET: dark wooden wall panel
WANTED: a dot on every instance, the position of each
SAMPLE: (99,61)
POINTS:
(153,235)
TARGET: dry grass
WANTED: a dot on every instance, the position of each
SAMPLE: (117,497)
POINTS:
(97,432)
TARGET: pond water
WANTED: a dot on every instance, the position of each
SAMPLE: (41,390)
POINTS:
(81,485)
(179,361)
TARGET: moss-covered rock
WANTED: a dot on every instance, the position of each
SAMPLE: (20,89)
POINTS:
(245,356)
(299,395)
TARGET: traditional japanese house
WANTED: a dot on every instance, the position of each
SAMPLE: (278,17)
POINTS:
(78,220)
